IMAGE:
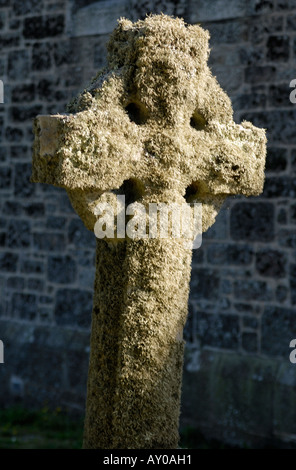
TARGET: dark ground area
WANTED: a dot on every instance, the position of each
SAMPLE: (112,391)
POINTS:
(47,429)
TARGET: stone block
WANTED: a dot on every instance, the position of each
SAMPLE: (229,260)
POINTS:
(64,52)
(279,186)
(291,23)
(36,285)
(56,222)
(32,266)
(19,234)
(282,217)
(13,134)
(219,331)
(277,95)
(253,290)
(41,56)
(15,282)
(40,27)
(18,64)
(61,269)
(271,263)
(45,241)
(287,238)
(249,101)
(281,293)
(23,306)
(22,93)
(278,48)
(22,113)
(27,7)
(278,329)
(250,322)
(260,73)
(9,40)
(252,221)
(73,307)
(5,177)
(23,188)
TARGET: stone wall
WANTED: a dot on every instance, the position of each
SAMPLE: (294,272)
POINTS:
(238,380)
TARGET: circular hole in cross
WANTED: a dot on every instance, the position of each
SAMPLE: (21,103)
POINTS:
(191,192)
(137,113)
(132,189)
(196,191)
(197,121)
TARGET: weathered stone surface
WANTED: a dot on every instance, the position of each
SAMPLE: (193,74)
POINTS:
(157,135)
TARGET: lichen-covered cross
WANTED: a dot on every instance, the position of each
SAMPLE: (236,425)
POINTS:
(156,127)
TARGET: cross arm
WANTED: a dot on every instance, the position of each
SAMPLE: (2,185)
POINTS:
(229,159)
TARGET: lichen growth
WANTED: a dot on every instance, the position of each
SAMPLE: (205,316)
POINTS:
(154,120)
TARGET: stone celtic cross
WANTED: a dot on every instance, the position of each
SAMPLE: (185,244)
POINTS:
(155,126)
